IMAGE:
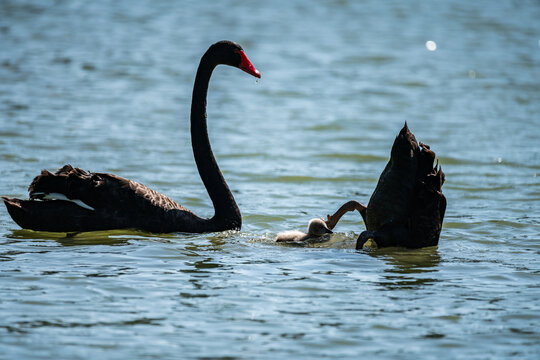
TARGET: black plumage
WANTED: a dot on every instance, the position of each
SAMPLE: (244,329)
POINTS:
(407,207)
(73,200)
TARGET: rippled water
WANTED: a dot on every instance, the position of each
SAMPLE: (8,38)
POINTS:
(106,86)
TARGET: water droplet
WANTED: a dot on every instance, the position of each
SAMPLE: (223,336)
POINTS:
(431,45)
(472,74)
(499,160)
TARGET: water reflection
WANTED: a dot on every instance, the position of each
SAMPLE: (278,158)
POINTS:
(213,242)
(201,266)
(112,237)
(24,326)
(205,264)
(408,267)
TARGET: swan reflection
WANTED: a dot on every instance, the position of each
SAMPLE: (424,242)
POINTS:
(407,268)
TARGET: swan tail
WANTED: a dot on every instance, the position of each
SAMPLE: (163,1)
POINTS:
(63,201)
(59,215)
(430,205)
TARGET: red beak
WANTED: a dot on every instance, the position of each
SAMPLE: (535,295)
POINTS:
(247,66)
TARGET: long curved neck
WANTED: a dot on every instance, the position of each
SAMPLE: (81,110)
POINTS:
(227,215)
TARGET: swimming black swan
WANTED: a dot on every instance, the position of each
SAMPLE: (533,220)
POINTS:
(407,207)
(72,200)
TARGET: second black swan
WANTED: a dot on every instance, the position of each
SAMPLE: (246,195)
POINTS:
(73,200)
(407,207)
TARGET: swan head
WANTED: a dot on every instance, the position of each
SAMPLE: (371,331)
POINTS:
(318,227)
(230,53)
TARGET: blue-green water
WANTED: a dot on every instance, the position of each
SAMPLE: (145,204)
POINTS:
(106,86)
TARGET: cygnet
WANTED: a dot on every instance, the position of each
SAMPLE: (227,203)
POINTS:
(316,229)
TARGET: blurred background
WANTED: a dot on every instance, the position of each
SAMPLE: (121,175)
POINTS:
(106,86)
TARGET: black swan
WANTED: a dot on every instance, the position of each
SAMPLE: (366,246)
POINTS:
(407,207)
(72,200)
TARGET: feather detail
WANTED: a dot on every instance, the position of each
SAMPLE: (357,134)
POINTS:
(58,196)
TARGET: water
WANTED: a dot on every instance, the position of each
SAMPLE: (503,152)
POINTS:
(107,87)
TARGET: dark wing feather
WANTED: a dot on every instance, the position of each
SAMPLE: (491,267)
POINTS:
(429,206)
(100,190)
(117,203)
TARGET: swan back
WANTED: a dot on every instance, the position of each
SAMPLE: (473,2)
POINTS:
(291,236)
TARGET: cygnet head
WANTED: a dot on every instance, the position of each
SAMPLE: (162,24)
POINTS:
(317,227)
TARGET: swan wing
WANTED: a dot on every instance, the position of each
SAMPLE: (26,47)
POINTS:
(98,191)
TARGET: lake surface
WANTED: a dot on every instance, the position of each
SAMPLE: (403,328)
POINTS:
(106,86)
